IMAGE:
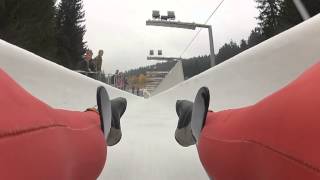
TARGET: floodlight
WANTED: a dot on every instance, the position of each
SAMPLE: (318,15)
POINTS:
(155,14)
(171,15)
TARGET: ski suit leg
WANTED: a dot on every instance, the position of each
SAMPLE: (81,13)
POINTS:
(277,138)
(39,142)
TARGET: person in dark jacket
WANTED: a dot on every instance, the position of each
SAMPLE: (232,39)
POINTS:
(97,61)
(86,66)
(114,78)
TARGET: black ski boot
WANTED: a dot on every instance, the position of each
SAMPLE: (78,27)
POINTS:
(118,107)
(192,118)
(183,132)
(110,113)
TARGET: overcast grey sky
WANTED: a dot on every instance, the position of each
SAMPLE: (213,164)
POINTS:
(118,27)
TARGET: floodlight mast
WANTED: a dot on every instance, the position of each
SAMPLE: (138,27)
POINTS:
(302,9)
(184,25)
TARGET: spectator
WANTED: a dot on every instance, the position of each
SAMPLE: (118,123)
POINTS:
(133,89)
(120,81)
(125,83)
(92,66)
(114,78)
(86,64)
(97,61)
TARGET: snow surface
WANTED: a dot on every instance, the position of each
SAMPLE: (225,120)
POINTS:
(148,149)
(174,77)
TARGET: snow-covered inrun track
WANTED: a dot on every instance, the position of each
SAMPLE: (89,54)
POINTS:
(148,149)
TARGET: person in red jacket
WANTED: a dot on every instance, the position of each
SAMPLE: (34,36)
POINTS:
(276,138)
(39,142)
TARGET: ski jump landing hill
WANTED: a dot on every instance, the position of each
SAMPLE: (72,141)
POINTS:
(148,149)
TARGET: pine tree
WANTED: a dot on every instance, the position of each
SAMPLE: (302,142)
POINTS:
(313,6)
(255,37)
(243,45)
(289,15)
(227,51)
(29,24)
(269,16)
(70,32)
